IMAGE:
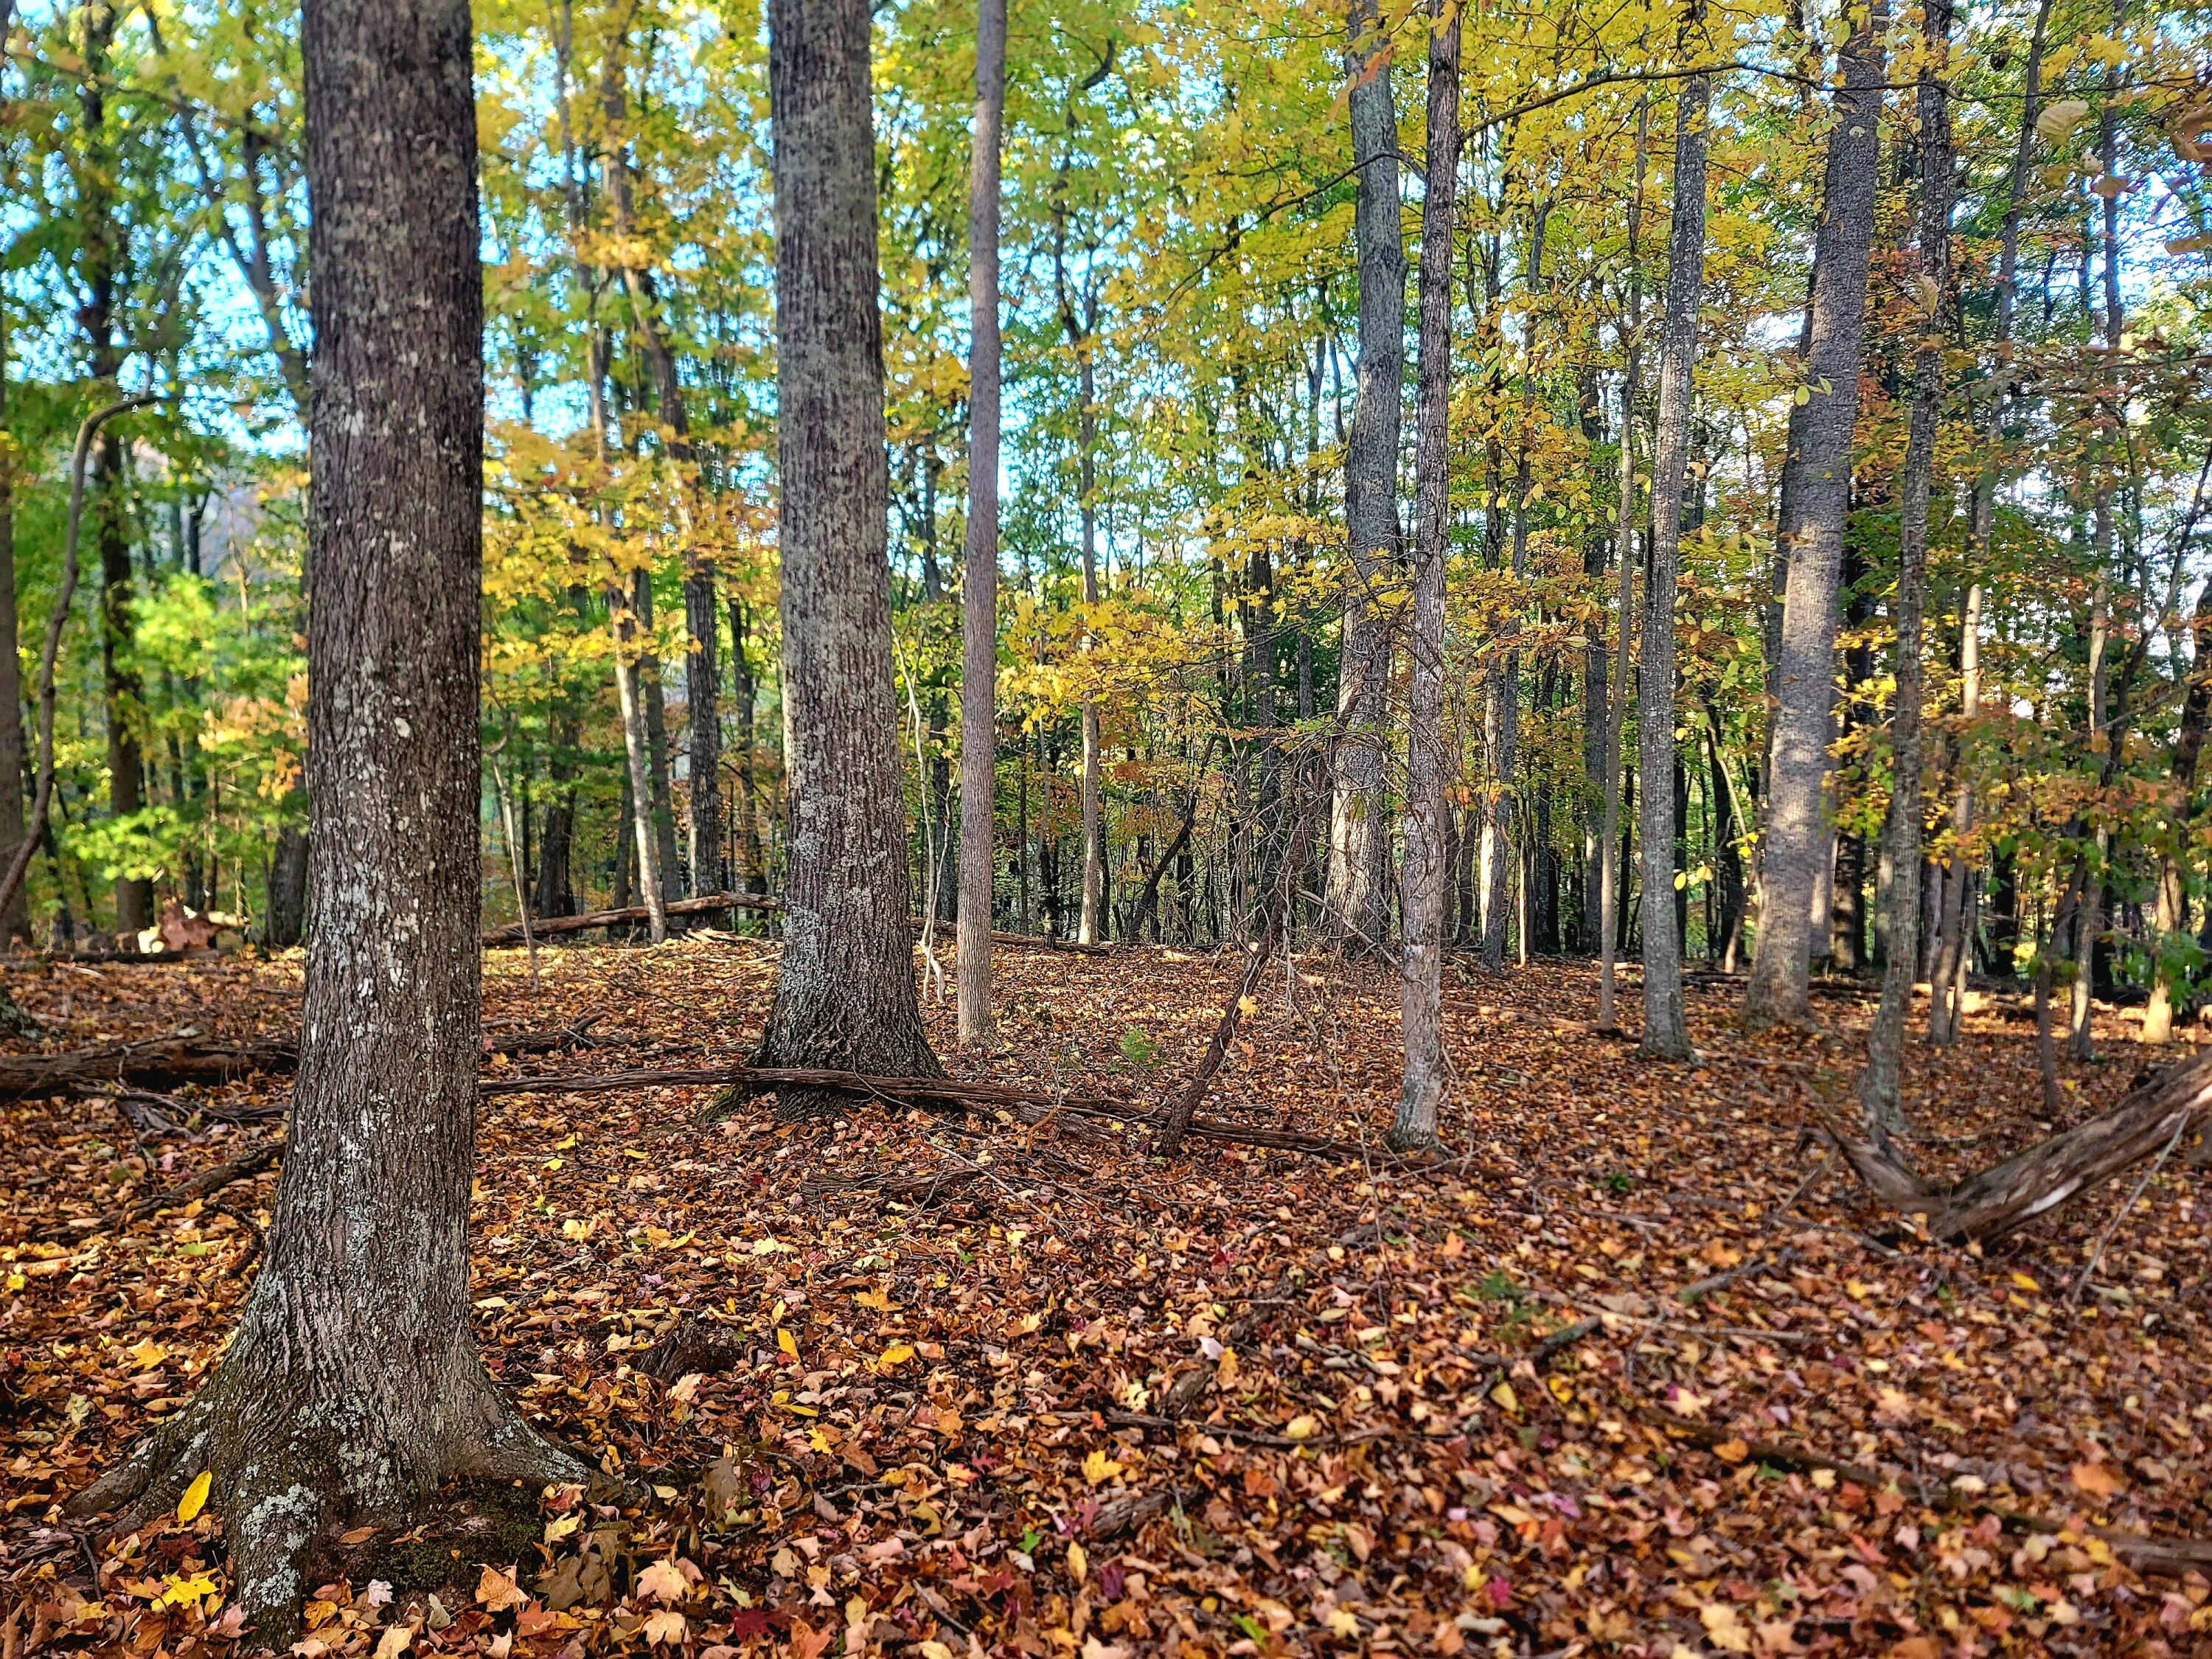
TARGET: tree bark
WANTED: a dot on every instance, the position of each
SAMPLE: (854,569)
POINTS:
(104,279)
(627,688)
(845,993)
(1420,989)
(1815,494)
(353,1388)
(979,643)
(1666,1033)
(15,911)
(1610,842)
(1358,900)
(1881,1113)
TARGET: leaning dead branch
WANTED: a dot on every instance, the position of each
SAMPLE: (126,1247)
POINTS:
(2040,1180)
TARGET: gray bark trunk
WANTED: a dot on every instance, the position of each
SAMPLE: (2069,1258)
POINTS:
(1421,965)
(1609,840)
(1795,838)
(1880,1110)
(979,648)
(1666,1035)
(845,993)
(16,914)
(353,1388)
(1358,902)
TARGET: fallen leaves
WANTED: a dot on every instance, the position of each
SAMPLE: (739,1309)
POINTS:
(901,1401)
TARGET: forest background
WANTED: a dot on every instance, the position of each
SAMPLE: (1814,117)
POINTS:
(1182,315)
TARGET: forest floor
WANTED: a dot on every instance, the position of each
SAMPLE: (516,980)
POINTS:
(1475,1407)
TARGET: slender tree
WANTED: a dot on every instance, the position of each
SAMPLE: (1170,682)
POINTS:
(1616,723)
(979,646)
(15,914)
(353,1388)
(845,989)
(1666,1034)
(1358,902)
(1421,974)
(1815,496)
(1879,1085)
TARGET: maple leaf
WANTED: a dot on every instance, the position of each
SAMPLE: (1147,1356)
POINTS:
(664,1581)
(804,1644)
(665,1627)
(497,1591)
(1725,1628)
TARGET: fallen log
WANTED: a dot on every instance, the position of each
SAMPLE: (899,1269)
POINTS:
(2052,1173)
(163,1063)
(704,904)
(708,903)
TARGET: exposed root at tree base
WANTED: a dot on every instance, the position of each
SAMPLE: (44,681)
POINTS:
(288,1474)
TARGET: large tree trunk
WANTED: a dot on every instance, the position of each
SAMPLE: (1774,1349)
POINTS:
(1666,1034)
(1358,900)
(1880,1108)
(979,643)
(1795,837)
(1420,988)
(353,1387)
(845,993)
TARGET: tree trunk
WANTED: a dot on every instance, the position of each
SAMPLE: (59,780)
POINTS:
(845,995)
(105,279)
(2171,901)
(1358,902)
(1093,917)
(556,891)
(742,693)
(1611,850)
(286,923)
(1815,494)
(1421,971)
(628,695)
(652,699)
(352,1389)
(1881,1113)
(1666,1034)
(16,914)
(979,648)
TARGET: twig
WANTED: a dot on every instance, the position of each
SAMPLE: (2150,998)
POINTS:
(1690,1293)
(2081,1278)
(248,1164)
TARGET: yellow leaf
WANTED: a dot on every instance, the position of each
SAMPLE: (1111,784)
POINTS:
(1731,1451)
(195,1495)
(1503,1394)
(1248,1006)
(787,1342)
(2025,1282)
(1097,1467)
(1078,1563)
(897,1354)
(148,1354)
(1724,1628)
(1304,1426)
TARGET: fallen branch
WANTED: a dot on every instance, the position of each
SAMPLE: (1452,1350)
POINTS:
(2048,1175)
(164,1063)
(1690,1293)
(707,904)
(248,1164)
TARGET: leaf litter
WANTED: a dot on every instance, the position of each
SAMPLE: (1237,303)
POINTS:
(1633,1371)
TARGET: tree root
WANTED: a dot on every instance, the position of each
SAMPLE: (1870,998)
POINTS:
(294,1459)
